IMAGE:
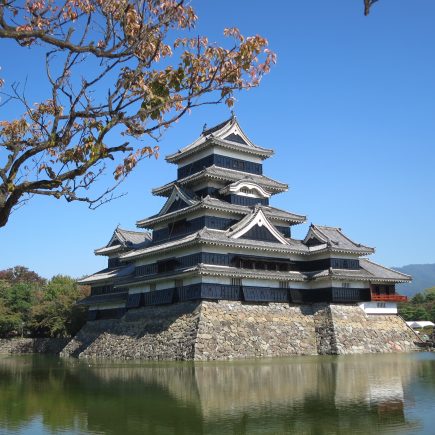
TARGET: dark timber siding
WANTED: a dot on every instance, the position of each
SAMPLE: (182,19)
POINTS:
(221,161)
(213,291)
(184,227)
(238,260)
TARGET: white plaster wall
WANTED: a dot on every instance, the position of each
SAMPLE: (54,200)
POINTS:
(108,306)
(143,288)
(379,307)
(215,279)
(352,284)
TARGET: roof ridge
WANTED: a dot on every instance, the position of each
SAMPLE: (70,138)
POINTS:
(217,127)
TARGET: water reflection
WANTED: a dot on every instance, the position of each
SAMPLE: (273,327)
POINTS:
(362,394)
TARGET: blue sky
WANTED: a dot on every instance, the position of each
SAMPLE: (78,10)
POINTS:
(349,109)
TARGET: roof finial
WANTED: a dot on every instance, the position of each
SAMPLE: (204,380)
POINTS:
(204,128)
(233,116)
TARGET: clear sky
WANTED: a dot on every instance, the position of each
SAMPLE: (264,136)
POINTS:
(349,109)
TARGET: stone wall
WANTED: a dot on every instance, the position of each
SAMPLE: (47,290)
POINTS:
(165,332)
(32,345)
(231,329)
(356,332)
(239,330)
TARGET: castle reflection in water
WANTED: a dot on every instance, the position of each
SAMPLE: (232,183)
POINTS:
(304,395)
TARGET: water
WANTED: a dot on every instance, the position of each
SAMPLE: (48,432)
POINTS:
(363,394)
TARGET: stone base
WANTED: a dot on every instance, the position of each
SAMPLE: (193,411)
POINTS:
(228,330)
(32,345)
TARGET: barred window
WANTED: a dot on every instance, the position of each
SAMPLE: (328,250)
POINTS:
(283,284)
(236,281)
(345,285)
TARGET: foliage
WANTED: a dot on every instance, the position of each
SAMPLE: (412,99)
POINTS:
(114,68)
(56,314)
(21,274)
(29,304)
(420,307)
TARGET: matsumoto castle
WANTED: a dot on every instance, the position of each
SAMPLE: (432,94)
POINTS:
(217,237)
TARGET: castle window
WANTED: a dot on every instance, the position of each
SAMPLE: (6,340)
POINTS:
(152,286)
(345,285)
(236,281)
(283,284)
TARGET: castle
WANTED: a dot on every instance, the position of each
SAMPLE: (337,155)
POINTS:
(218,240)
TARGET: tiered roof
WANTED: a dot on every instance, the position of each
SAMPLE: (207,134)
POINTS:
(369,271)
(210,203)
(224,175)
(255,232)
(227,135)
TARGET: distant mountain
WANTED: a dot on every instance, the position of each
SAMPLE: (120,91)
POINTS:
(423,277)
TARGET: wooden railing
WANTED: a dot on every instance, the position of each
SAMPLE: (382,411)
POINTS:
(389,298)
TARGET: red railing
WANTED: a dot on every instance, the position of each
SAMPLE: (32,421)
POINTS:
(389,298)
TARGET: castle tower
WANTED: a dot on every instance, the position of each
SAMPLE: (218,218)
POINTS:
(217,237)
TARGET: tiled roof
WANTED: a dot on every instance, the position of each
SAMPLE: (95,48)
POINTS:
(216,204)
(224,174)
(334,240)
(217,127)
(235,272)
(369,271)
(216,237)
(383,272)
(227,134)
(125,239)
(108,274)
(99,299)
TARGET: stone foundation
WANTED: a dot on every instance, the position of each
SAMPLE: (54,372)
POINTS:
(230,329)
(32,345)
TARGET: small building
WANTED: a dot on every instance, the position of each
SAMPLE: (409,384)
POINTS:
(218,237)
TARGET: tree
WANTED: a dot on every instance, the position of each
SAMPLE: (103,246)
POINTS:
(56,314)
(367,5)
(115,69)
(21,274)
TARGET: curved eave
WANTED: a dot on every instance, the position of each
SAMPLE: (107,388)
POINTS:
(151,222)
(195,239)
(231,176)
(365,278)
(321,249)
(135,281)
(102,299)
(90,281)
(110,250)
(256,151)
(233,272)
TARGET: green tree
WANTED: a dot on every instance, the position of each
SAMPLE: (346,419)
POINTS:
(10,323)
(56,314)
(118,73)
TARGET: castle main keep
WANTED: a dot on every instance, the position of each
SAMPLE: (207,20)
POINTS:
(219,264)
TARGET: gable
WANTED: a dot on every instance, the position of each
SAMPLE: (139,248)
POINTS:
(235,138)
(257,227)
(259,233)
(176,201)
(177,204)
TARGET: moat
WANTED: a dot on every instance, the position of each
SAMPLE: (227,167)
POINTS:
(380,393)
